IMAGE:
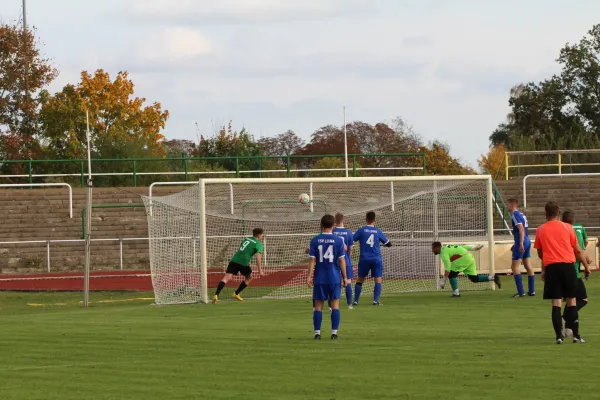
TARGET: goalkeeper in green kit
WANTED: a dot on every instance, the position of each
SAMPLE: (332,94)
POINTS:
(456,260)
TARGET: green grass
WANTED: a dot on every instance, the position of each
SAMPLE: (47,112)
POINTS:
(417,346)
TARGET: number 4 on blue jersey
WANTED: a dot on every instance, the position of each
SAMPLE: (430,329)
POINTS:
(370,239)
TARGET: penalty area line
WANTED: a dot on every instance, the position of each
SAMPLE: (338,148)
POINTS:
(122,300)
(99,301)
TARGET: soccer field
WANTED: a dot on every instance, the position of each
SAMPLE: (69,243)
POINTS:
(484,345)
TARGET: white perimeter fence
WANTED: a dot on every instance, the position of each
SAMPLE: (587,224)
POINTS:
(502,248)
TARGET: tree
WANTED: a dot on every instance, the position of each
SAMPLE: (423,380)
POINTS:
(331,163)
(284,144)
(121,126)
(382,139)
(179,148)
(493,161)
(228,145)
(581,77)
(440,162)
(501,136)
(24,72)
(364,138)
(330,140)
(562,111)
(543,110)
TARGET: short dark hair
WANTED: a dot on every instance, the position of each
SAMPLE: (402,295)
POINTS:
(257,231)
(568,217)
(327,221)
(513,201)
(436,244)
(552,209)
(339,218)
(371,216)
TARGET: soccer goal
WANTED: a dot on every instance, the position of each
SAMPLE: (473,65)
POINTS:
(194,233)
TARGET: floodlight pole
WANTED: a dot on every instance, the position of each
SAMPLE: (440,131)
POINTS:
(345,143)
(25,15)
(88,219)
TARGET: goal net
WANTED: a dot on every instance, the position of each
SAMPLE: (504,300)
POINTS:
(193,234)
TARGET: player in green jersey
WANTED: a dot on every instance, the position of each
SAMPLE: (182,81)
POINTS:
(457,259)
(240,264)
(581,298)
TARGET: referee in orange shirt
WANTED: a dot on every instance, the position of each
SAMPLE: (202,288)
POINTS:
(557,246)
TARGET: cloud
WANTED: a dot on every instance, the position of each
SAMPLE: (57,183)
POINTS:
(175,45)
(417,41)
(241,64)
(244,11)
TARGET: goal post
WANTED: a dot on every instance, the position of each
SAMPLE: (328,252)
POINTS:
(194,233)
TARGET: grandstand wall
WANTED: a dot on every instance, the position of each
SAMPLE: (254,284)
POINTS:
(580,194)
(43,214)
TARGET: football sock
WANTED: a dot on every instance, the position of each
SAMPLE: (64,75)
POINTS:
(317,319)
(357,291)
(377,292)
(519,283)
(581,303)
(335,320)
(241,287)
(349,293)
(484,278)
(220,287)
(454,284)
(572,316)
(557,321)
(531,283)
(456,292)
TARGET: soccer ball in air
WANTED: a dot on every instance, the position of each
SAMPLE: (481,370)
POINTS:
(304,198)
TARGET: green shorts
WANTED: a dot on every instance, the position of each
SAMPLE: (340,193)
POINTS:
(466,265)
(578,269)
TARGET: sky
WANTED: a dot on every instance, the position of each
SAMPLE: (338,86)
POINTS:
(446,67)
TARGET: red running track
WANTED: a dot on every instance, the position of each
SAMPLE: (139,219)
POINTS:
(123,280)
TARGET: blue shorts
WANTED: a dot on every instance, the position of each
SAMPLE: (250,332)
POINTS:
(349,272)
(327,291)
(375,267)
(517,255)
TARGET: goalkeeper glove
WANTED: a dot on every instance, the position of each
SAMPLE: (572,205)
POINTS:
(442,282)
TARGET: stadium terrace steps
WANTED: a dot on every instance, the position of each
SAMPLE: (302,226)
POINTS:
(581,195)
(42,214)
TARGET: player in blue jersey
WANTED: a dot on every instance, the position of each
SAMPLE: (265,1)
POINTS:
(346,234)
(370,238)
(328,262)
(521,250)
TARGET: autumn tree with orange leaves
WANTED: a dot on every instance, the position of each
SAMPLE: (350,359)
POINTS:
(24,73)
(121,125)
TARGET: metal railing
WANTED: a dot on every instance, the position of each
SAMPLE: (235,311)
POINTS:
(121,241)
(550,176)
(186,166)
(501,207)
(30,185)
(563,159)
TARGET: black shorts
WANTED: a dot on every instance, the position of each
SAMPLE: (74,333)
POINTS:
(581,291)
(235,268)
(560,282)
